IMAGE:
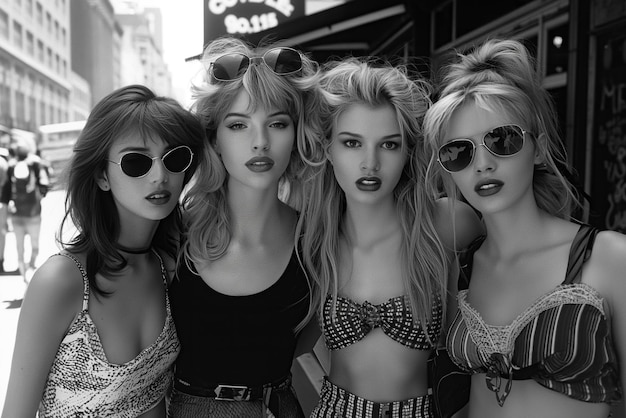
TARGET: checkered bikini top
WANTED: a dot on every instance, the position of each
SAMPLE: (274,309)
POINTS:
(562,341)
(353,321)
(82,382)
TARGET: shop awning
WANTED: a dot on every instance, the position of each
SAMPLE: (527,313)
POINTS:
(357,27)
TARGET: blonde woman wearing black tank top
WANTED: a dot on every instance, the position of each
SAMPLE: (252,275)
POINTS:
(241,297)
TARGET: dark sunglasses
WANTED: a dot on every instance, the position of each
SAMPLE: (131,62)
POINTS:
(136,164)
(502,141)
(282,61)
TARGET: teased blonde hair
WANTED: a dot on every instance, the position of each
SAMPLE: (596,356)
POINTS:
(500,76)
(424,261)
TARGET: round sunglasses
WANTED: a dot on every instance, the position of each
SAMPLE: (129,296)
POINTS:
(282,61)
(502,141)
(137,165)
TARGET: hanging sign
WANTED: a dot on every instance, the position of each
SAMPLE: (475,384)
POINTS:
(243,17)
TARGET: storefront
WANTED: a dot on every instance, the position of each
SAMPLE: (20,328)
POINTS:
(579,46)
(606,157)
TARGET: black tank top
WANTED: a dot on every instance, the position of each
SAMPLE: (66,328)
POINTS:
(237,340)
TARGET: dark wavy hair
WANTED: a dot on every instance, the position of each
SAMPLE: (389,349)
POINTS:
(133,109)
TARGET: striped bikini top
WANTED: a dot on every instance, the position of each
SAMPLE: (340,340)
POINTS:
(562,341)
(82,382)
(353,321)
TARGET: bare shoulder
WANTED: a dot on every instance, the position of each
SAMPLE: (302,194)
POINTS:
(56,287)
(456,223)
(606,269)
(609,254)
(52,301)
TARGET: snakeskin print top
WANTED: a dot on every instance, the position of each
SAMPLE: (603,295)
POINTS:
(563,340)
(354,321)
(82,382)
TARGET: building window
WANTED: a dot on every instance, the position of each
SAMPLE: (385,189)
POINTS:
(29,7)
(63,37)
(49,57)
(30,44)
(451,20)
(42,113)
(32,109)
(40,51)
(4,68)
(17,35)
(557,49)
(4,24)
(443,18)
(57,34)
(20,109)
(39,13)
(49,22)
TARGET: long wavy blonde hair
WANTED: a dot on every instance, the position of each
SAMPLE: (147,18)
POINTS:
(424,260)
(207,217)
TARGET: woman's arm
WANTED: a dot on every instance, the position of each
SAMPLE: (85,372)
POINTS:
(52,300)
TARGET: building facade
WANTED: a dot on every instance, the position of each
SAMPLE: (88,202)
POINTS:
(35,63)
(142,50)
(59,57)
(580,47)
(96,46)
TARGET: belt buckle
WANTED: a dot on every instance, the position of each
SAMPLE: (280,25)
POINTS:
(232,393)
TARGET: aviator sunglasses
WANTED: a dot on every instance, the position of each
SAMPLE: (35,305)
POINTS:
(136,164)
(502,141)
(281,60)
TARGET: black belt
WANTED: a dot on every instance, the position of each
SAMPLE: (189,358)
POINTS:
(223,392)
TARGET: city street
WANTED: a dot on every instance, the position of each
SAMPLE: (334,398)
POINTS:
(12,287)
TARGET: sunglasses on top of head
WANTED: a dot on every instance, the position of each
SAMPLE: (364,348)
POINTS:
(137,165)
(502,141)
(282,61)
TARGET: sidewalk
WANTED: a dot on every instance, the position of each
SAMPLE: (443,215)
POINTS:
(12,287)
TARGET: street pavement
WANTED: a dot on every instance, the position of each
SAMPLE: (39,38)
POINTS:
(12,286)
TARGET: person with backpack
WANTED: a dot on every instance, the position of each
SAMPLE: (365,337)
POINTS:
(28,185)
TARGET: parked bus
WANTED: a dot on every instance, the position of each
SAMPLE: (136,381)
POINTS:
(56,142)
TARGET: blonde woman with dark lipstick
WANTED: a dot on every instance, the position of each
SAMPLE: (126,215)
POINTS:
(371,242)
(241,297)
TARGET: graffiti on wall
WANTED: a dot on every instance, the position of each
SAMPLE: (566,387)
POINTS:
(608,188)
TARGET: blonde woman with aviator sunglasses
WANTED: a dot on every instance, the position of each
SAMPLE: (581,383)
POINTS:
(541,324)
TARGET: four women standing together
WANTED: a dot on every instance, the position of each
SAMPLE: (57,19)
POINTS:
(317,200)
